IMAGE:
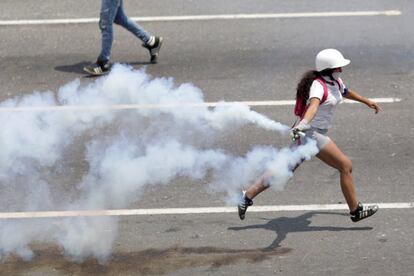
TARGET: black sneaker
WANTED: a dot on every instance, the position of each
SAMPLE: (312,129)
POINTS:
(363,212)
(97,69)
(243,204)
(154,49)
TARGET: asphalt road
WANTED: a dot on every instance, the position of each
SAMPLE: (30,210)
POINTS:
(242,60)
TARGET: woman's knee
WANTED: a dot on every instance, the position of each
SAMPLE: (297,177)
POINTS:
(345,166)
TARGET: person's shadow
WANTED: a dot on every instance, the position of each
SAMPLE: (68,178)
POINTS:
(284,225)
(77,68)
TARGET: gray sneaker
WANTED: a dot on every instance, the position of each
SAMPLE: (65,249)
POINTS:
(154,50)
(97,68)
(363,211)
(243,204)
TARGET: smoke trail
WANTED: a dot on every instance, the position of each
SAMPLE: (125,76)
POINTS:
(172,134)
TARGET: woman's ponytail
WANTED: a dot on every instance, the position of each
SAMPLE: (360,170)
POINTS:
(302,90)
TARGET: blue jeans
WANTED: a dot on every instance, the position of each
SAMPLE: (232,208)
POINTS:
(112,11)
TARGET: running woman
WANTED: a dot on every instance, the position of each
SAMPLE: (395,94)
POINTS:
(321,91)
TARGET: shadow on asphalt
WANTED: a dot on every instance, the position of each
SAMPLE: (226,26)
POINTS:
(77,68)
(285,225)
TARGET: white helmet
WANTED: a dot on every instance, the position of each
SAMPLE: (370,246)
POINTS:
(330,59)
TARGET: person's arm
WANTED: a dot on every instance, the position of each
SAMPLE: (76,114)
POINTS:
(315,94)
(352,95)
(304,124)
(312,109)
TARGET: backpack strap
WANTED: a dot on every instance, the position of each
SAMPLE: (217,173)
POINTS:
(339,85)
(325,89)
(342,88)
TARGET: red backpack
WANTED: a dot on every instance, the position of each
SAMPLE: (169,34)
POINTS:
(301,106)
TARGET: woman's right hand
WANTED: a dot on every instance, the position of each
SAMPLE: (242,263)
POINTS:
(299,128)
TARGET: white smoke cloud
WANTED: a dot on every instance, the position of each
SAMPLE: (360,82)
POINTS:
(172,134)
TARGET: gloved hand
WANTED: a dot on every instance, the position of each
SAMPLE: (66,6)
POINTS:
(299,129)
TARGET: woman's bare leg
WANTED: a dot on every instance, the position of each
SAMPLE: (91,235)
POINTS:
(333,156)
(262,183)
(259,186)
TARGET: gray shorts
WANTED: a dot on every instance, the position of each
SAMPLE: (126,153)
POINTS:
(317,134)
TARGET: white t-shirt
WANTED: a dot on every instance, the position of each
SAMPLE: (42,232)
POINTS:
(324,115)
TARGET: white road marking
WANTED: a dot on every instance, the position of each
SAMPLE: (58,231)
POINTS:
(189,211)
(379,100)
(205,17)
(160,106)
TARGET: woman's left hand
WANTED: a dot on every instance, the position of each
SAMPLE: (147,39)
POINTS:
(374,105)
